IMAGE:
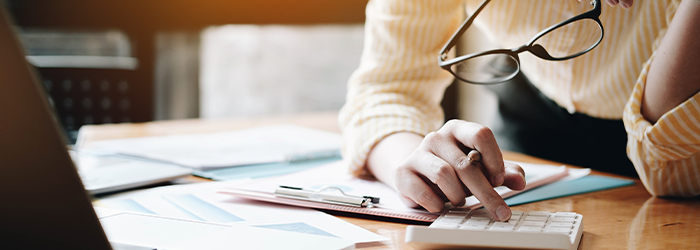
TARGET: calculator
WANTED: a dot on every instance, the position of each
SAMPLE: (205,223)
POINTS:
(466,228)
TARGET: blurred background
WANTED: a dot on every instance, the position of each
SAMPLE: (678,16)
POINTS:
(117,61)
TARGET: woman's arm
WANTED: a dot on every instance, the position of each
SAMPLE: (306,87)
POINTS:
(674,75)
(662,117)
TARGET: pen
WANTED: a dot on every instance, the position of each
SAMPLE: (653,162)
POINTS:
(318,195)
(473,156)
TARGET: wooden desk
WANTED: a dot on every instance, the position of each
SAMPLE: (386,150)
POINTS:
(621,218)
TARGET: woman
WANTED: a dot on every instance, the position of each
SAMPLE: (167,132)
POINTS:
(637,91)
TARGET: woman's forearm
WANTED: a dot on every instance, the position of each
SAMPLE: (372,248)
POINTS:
(674,74)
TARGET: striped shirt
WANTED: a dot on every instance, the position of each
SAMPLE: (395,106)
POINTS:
(398,86)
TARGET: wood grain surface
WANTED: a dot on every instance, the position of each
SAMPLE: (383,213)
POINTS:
(621,218)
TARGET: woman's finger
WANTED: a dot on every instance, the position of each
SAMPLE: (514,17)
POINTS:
(438,170)
(481,138)
(472,176)
(515,176)
(412,187)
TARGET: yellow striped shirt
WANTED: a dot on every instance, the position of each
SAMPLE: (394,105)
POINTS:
(398,86)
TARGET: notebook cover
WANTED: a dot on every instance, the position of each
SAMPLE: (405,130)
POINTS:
(582,185)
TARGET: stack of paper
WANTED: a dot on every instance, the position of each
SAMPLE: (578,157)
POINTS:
(281,143)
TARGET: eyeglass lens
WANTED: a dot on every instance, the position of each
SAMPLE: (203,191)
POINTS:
(571,39)
(568,40)
(486,68)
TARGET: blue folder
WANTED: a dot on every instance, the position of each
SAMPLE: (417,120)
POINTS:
(589,183)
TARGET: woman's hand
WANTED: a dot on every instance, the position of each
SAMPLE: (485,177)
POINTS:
(439,170)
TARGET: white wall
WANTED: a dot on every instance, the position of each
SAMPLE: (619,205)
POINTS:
(249,70)
(476,103)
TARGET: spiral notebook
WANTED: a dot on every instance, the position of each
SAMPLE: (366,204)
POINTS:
(335,175)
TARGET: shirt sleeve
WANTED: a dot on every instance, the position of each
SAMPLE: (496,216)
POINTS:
(399,85)
(666,154)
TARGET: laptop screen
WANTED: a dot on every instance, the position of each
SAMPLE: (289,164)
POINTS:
(44,204)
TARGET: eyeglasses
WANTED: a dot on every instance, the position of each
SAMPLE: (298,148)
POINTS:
(556,43)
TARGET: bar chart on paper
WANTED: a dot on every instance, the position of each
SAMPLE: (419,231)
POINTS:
(186,206)
(223,209)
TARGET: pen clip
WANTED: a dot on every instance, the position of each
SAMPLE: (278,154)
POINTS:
(320,196)
(370,198)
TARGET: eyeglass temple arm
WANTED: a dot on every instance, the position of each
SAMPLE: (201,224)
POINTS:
(453,40)
(597,7)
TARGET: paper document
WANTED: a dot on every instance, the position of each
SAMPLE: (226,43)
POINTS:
(199,202)
(280,143)
(130,230)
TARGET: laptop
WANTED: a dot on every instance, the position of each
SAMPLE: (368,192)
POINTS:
(109,172)
(43,203)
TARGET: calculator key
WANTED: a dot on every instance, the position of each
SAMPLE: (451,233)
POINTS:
(538,213)
(451,220)
(565,214)
(536,218)
(458,218)
(512,222)
(481,212)
(562,224)
(516,213)
(533,224)
(561,219)
(480,218)
(558,230)
(515,217)
(458,214)
(480,222)
(530,229)
(506,227)
(473,226)
(501,224)
(461,216)
(444,225)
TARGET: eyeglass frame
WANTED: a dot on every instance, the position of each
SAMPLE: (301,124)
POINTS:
(530,46)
